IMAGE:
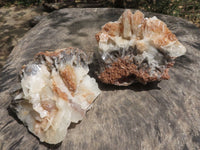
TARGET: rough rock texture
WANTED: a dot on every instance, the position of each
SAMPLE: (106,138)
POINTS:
(136,49)
(165,116)
(14,23)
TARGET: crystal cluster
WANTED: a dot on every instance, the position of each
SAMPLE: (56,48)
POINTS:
(136,49)
(56,90)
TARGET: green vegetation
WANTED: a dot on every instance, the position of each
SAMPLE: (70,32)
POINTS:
(188,9)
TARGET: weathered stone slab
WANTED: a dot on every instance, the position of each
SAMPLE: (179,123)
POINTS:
(162,116)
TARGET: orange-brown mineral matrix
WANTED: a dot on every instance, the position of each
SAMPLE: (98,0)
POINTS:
(121,70)
(136,49)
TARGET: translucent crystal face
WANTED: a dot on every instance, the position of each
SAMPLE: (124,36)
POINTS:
(146,45)
(56,91)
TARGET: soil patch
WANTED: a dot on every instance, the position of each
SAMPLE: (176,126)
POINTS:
(14,23)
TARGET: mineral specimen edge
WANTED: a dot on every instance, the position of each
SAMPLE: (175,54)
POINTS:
(55,91)
(136,49)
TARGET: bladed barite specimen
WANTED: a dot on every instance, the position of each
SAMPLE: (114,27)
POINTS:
(136,49)
(56,90)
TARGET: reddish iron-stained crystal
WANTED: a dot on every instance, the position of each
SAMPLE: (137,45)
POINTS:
(136,49)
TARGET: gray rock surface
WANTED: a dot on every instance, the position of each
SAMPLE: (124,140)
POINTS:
(163,116)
